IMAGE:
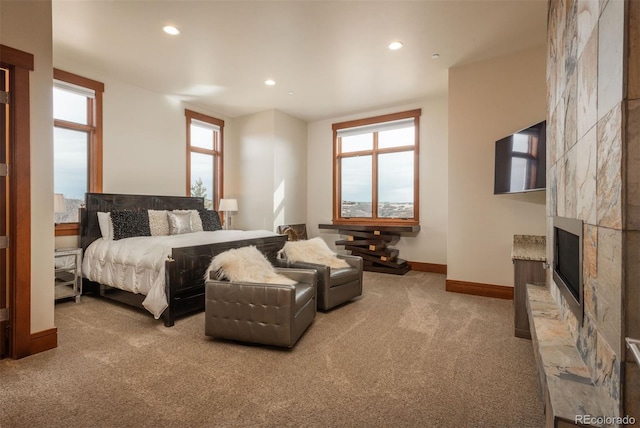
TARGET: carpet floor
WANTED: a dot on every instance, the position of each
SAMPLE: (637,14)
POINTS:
(405,354)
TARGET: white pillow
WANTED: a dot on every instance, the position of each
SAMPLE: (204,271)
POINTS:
(106,225)
(179,223)
(246,264)
(158,222)
(196,221)
(313,250)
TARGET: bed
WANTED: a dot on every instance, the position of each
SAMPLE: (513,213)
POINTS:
(176,264)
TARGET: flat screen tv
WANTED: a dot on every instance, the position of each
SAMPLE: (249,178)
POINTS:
(521,161)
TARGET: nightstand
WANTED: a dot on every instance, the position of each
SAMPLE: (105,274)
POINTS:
(68,273)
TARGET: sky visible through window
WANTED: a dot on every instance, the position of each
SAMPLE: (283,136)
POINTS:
(395,175)
(70,155)
(202,168)
(395,182)
(70,163)
(202,165)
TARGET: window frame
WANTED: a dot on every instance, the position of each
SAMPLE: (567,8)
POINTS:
(94,128)
(374,152)
(217,152)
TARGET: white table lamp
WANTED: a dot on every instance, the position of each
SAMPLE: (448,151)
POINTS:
(228,206)
(59,205)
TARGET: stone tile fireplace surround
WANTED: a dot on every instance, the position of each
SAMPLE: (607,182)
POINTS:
(593,158)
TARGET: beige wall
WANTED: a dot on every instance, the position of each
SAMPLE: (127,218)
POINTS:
(144,141)
(269,171)
(145,152)
(253,186)
(487,101)
(27,26)
(144,144)
(290,170)
(430,244)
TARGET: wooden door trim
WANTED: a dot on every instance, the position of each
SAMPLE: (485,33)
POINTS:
(16,58)
(19,207)
(5,74)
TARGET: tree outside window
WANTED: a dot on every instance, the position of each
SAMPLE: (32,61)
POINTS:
(204,160)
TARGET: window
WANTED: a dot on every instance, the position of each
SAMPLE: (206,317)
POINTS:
(77,146)
(204,157)
(376,170)
(524,161)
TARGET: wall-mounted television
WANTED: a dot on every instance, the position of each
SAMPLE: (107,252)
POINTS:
(521,161)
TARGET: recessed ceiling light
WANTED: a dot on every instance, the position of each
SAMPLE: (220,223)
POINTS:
(269,82)
(435,56)
(170,29)
(394,46)
(290,92)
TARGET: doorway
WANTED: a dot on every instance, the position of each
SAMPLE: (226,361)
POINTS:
(16,198)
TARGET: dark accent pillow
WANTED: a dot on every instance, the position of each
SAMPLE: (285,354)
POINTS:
(210,220)
(127,224)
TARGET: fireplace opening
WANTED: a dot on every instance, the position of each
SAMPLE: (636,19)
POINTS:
(567,262)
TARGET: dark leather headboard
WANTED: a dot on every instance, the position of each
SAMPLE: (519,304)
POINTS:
(106,202)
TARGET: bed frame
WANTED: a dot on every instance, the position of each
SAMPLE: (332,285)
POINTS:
(184,285)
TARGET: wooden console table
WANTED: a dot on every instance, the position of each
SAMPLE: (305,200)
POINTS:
(371,242)
(528,255)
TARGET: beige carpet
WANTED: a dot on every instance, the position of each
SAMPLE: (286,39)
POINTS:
(406,354)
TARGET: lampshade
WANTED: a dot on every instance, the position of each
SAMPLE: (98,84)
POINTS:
(58,203)
(228,205)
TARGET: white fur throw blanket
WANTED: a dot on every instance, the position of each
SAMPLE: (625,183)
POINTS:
(313,250)
(246,264)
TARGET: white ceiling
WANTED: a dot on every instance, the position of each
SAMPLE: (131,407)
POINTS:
(332,55)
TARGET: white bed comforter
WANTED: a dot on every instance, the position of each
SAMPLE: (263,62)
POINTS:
(138,264)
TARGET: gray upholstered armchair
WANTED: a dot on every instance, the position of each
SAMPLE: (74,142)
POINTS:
(335,286)
(269,314)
